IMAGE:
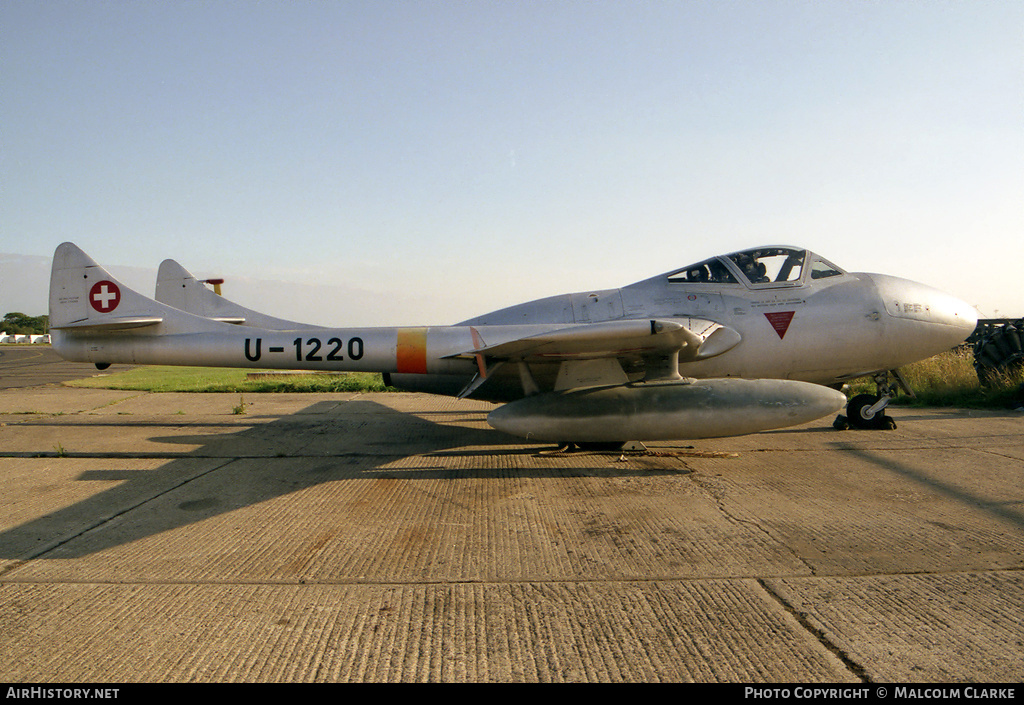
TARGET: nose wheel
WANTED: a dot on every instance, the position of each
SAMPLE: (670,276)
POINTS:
(867,411)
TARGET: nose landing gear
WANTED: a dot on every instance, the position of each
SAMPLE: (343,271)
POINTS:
(868,410)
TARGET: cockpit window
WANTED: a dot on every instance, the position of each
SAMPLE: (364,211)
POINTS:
(710,272)
(770,265)
(821,269)
(762,267)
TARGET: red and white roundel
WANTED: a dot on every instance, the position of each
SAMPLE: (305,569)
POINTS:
(104,296)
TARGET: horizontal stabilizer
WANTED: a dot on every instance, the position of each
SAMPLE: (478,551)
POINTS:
(111,324)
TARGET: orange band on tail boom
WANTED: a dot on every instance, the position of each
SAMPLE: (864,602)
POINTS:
(412,350)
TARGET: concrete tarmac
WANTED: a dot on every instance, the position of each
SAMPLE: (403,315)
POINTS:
(33,365)
(396,537)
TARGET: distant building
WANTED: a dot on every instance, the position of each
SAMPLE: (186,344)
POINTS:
(30,338)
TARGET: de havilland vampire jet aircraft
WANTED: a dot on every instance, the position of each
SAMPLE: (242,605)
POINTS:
(745,342)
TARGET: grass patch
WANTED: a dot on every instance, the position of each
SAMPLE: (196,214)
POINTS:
(159,378)
(946,380)
(949,380)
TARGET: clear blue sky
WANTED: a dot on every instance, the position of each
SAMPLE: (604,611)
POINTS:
(462,156)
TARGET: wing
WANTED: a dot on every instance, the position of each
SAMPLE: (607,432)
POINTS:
(592,354)
(595,401)
(597,340)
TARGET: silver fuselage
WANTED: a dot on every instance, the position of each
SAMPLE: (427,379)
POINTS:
(804,319)
(824,331)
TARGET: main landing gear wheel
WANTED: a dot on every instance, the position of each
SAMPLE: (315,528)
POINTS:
(868,410)
(859,414)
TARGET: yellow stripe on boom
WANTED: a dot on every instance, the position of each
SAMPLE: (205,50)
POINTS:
(412,350)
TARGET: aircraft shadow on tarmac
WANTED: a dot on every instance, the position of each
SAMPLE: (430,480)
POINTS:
(326,442)
(1010,510)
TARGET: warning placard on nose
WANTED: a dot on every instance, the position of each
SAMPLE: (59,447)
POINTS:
(104,296)
(780,321)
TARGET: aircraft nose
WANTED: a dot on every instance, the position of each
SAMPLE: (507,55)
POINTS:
(963,317)
(943,319)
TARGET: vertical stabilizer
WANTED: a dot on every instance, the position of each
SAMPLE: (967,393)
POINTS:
(177,287)
(86,297)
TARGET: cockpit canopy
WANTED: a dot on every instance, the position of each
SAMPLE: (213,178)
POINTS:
(761,267)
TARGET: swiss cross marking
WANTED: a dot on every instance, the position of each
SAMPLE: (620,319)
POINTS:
(104,296)
(780,321)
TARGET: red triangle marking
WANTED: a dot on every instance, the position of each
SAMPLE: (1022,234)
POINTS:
(780,321)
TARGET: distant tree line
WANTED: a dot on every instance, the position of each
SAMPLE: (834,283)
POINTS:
(20,323)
